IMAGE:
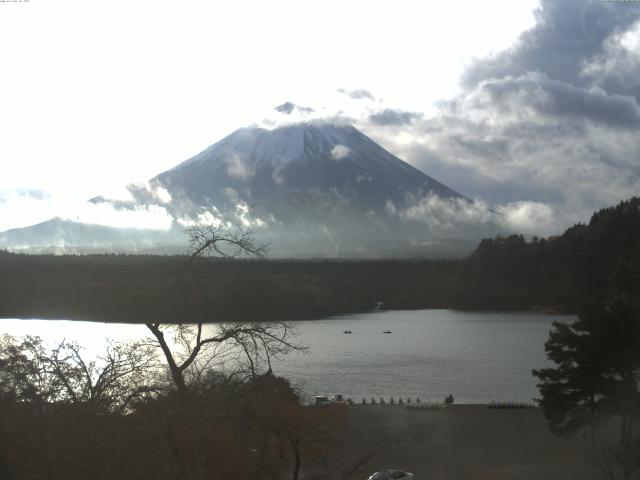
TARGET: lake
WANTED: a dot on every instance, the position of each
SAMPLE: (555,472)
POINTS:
(478,357)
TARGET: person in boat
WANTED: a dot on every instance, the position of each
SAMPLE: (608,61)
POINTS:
(449,399)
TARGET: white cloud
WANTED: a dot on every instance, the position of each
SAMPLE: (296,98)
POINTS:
(144,193)
(162,194)
(339,152)
(208,217)
(151,216)
(239,215)
(363,177)
(447,215)
(244,217)
(529,218)
(390,208)
(19,210)
(238,168)
(458,216)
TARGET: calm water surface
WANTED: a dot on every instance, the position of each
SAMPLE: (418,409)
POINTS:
(477,356)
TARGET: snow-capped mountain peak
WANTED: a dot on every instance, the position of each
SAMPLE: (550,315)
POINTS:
(321,157)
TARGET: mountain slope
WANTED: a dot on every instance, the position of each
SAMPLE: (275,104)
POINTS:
(293,165)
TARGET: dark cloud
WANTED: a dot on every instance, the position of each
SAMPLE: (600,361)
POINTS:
(496,148)
(567,32)
(554,120)
(575,166)
(288,107)
(358,94)
(486,170)
(392,117)
(559,99)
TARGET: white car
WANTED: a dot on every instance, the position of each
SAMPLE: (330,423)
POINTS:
(392,475)
(325,400)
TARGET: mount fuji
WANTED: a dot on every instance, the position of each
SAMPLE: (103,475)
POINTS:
(311,188)
(273,170)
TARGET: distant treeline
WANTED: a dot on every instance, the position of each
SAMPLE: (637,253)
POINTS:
(558,274)
(565,272)
(138,288)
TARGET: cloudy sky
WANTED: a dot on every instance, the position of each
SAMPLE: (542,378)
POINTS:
(530,107)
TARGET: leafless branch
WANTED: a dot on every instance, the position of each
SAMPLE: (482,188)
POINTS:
(207,239)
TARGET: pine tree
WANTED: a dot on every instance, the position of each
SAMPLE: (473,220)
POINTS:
(597,358)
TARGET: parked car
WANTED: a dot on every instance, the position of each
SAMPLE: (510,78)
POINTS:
(337,399)
(392,475)
(322,400)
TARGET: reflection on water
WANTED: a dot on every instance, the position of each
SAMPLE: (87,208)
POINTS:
(476,356)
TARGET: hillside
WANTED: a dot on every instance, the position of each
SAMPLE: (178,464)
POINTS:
(564,271)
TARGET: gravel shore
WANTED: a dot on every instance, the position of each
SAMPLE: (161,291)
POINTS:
(467,442)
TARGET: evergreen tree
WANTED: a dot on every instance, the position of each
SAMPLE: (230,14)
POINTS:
(572,392)
(597,372)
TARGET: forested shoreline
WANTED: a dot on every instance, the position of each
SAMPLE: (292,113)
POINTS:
(558,274)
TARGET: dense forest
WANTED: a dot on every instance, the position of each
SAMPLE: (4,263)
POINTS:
(562,272)
(554,274)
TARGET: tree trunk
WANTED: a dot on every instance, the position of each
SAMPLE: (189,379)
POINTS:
(295,446)
(625,429)
(169,434)
(176,373)
(592,423)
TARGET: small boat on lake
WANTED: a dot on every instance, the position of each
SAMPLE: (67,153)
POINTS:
(387,331)
(348,332)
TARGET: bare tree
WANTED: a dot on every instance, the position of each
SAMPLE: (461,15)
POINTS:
(308,430)
(348,460)
(192,350)
(110,382)
(616,461)
(193,347)
(217,240)
(25,371)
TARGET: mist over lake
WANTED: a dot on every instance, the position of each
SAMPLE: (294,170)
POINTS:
(478,357)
